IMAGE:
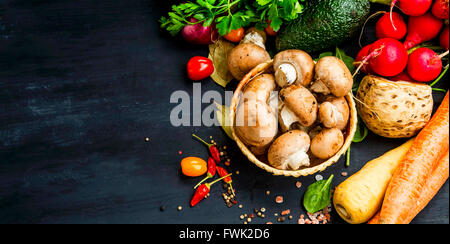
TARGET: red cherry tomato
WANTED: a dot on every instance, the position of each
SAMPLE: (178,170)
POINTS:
(235,35)
(269,30)
(200,68)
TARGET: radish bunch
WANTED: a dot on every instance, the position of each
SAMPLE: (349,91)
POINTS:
(389,57)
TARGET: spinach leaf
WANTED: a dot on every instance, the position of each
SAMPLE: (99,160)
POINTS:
(318,195)
(361,131)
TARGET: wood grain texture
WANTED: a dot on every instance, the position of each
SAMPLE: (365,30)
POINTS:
(82,84)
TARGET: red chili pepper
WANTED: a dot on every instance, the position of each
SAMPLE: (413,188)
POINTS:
(200,68)
(223,172)
(211,171)
(212,149)
(203,190)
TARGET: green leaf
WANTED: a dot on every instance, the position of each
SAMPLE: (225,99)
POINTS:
(361,131)
(347,59)
(318,195)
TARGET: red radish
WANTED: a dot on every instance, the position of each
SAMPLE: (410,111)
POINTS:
(422,29)
(444,38)
(412,7)
(386,29)
(362,55)
(441,9)
(388,57)
(404,76)
(424,65)
(199,34)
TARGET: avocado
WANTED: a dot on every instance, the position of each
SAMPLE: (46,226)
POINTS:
(324,24)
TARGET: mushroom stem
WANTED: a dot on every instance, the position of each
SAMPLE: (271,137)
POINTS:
(287,118)
(285,75)
(254,37)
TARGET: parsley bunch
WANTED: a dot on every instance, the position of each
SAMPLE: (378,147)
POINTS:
(230,15)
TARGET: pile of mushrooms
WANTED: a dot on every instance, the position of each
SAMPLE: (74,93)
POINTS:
(296,115)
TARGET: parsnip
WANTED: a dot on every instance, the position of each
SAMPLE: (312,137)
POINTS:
(360,197)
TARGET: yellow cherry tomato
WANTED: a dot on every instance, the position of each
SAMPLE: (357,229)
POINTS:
(193,166)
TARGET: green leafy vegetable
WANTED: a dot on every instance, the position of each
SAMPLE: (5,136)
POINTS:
(361,131)
(230,15)
(318,195)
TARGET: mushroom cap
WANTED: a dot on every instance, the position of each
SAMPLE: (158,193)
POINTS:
(289,151)
(255,124)
(332,76)
(301,102)
(244,57)
(327,143)
(259,88)
(302,63)
(334,112)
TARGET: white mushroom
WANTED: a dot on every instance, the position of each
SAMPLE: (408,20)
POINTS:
(289,151)
(256,122)
(327,143)
(293,67)
(298,106)
(334,112)
(332,77)
(248,54)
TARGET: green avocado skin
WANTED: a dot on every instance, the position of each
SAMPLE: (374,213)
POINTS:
(324,24)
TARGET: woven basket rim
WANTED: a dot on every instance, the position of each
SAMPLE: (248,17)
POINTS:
(290,173)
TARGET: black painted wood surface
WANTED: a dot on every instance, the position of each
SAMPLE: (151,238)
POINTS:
(82,84)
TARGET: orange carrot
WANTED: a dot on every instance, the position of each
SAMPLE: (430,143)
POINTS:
(434,183)
(405,188)
(375,220)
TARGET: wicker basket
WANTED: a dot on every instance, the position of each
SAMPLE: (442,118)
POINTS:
(266,67)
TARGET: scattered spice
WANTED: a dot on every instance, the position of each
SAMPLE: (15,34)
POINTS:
(281,219)
(269,223)
(279,199)
(321,217)
(298,184)
(285,212)
(319,177)
(180,208)
(147,139)
(263,210)
(267,192)
(344,174)
(180,152)
(240,206)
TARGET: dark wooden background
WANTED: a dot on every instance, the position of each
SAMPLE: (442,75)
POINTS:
(82,84)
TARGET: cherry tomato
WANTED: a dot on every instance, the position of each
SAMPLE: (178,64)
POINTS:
(193,166)
(235,35)
(269,30)
(200,68)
